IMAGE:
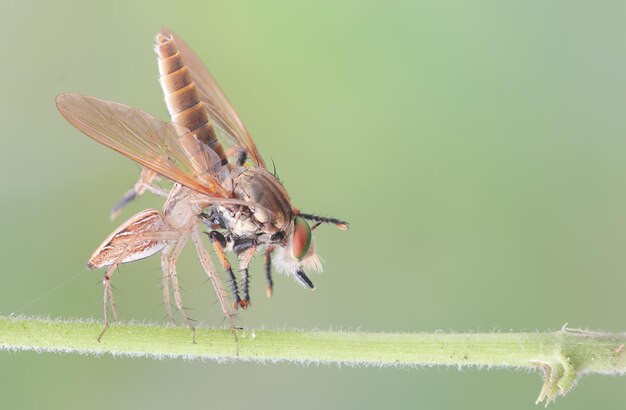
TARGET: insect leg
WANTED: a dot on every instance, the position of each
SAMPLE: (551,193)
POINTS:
(143,235)
(173,275)
(219,243)
(245,257)
(205,261)
(245,248)
(107,297)
(165,255)
(144,183)
(268,271)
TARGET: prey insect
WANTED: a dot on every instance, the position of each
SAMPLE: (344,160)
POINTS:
(220,183)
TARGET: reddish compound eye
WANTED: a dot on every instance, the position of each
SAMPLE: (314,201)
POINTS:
(301,241)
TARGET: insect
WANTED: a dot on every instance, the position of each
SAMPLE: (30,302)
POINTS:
(220,183)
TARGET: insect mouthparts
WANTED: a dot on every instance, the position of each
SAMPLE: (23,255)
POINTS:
(304,279)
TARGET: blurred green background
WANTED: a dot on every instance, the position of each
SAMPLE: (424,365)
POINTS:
(477,148)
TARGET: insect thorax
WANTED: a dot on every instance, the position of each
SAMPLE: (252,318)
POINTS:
(269,216)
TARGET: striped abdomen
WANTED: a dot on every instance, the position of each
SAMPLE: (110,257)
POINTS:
(181,96)
(126,244)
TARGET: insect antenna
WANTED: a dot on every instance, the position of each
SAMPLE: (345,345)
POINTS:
(343,225)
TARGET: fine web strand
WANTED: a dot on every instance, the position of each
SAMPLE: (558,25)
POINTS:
(48,292)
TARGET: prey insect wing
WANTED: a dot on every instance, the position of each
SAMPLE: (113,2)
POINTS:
(145,139)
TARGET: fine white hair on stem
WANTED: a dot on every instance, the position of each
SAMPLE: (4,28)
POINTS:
(562,356)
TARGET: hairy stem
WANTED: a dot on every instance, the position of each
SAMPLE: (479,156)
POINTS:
(563,356)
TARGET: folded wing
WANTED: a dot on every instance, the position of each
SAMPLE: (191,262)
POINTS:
(222,113)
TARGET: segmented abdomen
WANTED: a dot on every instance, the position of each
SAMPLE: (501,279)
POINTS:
(181,96)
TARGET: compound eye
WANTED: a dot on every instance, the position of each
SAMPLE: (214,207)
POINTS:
(301,238)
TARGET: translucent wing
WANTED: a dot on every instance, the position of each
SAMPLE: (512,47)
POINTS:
(153,143)
(221,111)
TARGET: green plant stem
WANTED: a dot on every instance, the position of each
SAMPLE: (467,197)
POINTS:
(563,355)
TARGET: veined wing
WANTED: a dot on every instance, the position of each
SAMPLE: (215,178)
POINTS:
(145,139)
(220,110)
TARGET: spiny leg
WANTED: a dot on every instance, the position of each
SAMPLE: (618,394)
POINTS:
(219,242)
(165,255)
(173,274)
(268,271)
(205,261)
(245,251)
(207,265)
(142,235)
(107,297)
(245,288)
(128,251)
(145,183)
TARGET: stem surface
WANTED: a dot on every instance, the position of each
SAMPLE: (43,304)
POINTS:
(563,355)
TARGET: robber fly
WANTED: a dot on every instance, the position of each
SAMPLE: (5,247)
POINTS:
(220,182)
